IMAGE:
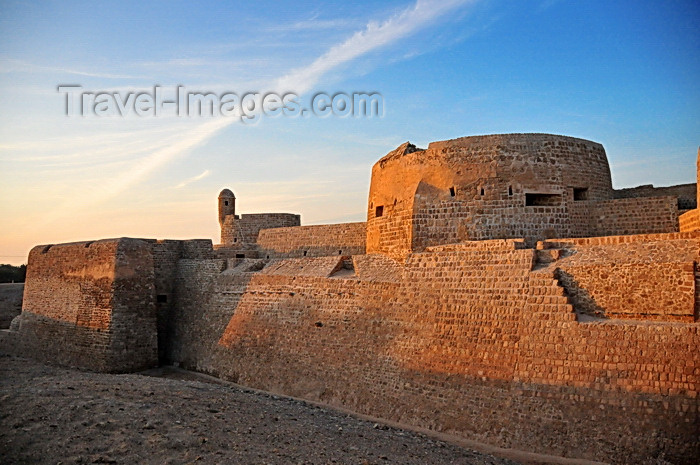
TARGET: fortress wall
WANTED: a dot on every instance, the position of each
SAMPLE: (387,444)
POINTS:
(689,221)
(650,280)
(645,215)
(451,221)
(166,255)
(244,230)
(313,241)
(207,295)
(560,243)
(10,302)
(391,234)
(89,304)
(72,282)
(685,193)
(469,342)
(134,325)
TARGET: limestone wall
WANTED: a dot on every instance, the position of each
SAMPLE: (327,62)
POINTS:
(481,187)
(239,231)
(685,193)
(313,241)
(465,339)
(89,304)
(650,280)
(646,215)
(689,221)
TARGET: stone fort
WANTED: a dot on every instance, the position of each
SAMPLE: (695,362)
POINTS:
(500,290)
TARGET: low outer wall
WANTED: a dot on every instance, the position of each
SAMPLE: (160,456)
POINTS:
(89,304)
(236,231)
(469,342)
(649,279)
(685,193)
(313,241)
(646,215)
(10,302)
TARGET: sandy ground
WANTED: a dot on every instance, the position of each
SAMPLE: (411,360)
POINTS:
(50,415)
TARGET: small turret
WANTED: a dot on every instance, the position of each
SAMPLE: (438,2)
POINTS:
(227,205)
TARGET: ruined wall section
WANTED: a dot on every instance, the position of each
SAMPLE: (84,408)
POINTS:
(630,216)
(96,298)
(313,241)
(686,194)
(631,277)
(241,232)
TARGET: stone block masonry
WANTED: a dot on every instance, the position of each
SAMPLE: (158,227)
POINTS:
(468,340)
(89,304)
(313,241)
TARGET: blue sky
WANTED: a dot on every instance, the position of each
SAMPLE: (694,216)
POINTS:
(622,73)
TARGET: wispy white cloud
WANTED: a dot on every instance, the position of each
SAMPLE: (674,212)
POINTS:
(313,24)
(141,169)
(200,176)
(374,36)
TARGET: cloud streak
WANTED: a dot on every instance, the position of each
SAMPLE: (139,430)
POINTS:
(189,181)
(374,36)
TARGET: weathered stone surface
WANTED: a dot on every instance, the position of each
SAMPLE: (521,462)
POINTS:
(531,186)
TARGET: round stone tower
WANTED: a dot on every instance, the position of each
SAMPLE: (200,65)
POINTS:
(530,186)
(227,205)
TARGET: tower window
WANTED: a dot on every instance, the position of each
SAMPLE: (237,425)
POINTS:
(379,211)
(162,299)
(240,255)
(226,202)
(542,200)
(510,190)
(452,192)
(481,191)
(580,193)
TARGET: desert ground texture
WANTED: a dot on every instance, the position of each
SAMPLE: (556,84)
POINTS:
(51,415)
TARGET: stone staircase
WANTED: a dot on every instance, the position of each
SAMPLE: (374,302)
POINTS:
(547,299)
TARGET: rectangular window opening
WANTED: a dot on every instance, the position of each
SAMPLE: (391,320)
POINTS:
(379,211)
(162,299)
(240,255)
(580,193)
(453,192)
(542,200)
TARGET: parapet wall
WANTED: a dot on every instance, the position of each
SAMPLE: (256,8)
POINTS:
(642,280)
(630,216)
(243,231)
(313,241)
(685,193)
(89,304)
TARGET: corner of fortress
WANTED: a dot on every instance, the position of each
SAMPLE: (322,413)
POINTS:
(500,290)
